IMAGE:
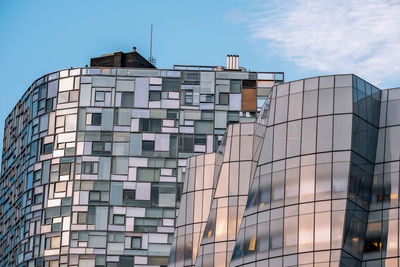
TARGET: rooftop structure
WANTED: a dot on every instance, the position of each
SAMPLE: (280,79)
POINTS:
(120,59)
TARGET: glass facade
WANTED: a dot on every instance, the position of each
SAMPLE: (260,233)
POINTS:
(324,190)
(94,161)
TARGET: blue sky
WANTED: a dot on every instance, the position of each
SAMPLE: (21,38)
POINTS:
(301,38)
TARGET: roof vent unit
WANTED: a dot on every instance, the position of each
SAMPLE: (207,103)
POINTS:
(232,62)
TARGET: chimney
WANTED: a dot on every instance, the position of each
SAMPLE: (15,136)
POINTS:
(134,49)
(232,62)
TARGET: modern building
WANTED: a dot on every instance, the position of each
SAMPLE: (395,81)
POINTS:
(321,168)
(94,158)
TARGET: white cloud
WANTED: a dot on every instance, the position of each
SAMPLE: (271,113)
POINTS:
(235,16)
(333,36)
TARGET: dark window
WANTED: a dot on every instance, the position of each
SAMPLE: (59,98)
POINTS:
(127,99)
(154,96)
(200,139)
(191,77)
(186,143)
(172,113)
(148,145)
(128,194)
(150,125)
(249,83)
(47,148)
(154,192)
(188,98)
(171,84)
(236,86)
(42,91)
(136,242)
(96,118)
(223,98)
(91,215)
(49,104)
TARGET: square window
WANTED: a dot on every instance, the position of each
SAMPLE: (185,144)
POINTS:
(249,83)
(171,84)
(223,98)
(60,187)
(47,148)
(172,114)
(236,86)
(186,143)
(191,77)
(154,96)
(101,148)
(233,116)
(64,168)
(122,117)
(200,139)
(119,219)
(127,99)
(55,242)
(100,96)
(207,115)
(96,119)
(94,196)
(136,242)
(82,217)
(97,146)
(38,199)
(89,167)
(203,127)
(148,145)
(128,194)
(119,165)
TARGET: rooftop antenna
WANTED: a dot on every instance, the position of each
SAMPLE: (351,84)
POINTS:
(151,59)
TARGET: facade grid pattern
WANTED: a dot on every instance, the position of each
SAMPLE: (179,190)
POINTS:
(94,160)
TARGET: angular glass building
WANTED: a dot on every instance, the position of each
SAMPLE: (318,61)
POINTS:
(94,159)
(321,170)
